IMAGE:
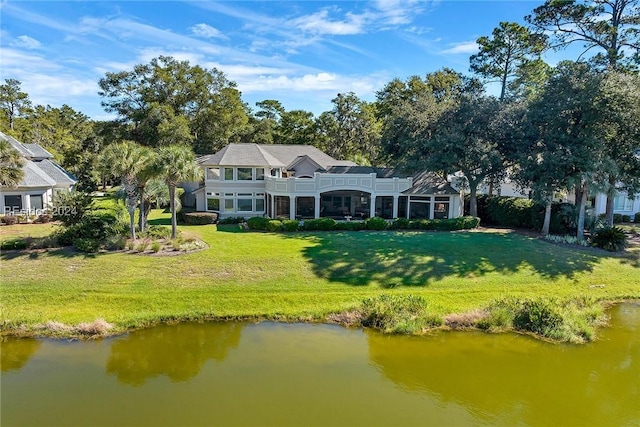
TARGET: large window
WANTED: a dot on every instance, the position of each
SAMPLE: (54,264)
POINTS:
(245,174)
(213,204)
(36,201)
(259,174)
(420,207)
(229,205)
(213,173)
(622,203)
(245,205)
(12,203)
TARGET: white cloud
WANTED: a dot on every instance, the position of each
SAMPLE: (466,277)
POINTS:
(467,47)
(25,42)
(320,23)
(207,31)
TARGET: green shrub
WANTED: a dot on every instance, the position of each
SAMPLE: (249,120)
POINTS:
(257,223)
(10,219)
(156,232)
(612,239)
(274,225)
(617,218)
(290,225)
(636,217)
(376,223)
(43,218)
(200,218)
(350,225)
(400,224)
(95,227)
(15,243)
(156,246)
(396,313)
(626,218)
(89,245)
(232,220)
(321,224)
(538,316)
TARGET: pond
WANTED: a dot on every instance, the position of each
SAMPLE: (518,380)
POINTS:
(304,374)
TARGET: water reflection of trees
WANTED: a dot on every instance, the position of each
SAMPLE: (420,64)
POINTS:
(177,351)
(16,352)
(509,379)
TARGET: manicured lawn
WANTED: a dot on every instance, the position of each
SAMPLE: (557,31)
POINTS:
(300,276)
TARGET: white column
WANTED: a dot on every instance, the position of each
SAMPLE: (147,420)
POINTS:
(316,207)
(292,207)
(372,206)
(408,206)
(394,215)
(432,207)
(273,206)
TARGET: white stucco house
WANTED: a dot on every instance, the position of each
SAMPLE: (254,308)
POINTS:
(302,182)
(42,178)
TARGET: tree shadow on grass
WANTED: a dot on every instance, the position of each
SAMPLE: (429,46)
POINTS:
(419,258)
(65,252)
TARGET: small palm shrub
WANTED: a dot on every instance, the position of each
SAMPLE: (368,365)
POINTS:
(257,223)
(611,239)
(156,232)
(156,246)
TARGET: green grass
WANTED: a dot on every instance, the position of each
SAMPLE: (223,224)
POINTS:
(299,276)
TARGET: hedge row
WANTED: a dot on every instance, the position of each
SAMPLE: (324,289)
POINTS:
(200,218)
(329,224)
(523,213)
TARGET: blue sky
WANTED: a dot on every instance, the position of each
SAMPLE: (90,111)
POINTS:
(301,53)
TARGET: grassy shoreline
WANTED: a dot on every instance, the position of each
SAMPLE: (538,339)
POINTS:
(298,277)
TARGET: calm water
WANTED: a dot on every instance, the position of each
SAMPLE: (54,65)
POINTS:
(278,374)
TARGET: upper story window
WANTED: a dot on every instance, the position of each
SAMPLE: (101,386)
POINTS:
(622,203)
(213,173)
(245,174)
(259,174)
(228,174)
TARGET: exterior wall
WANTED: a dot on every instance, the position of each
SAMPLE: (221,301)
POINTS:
(45,192)
(625,206)
(323,183)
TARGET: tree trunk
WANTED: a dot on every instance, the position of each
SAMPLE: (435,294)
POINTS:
(581,213)
(611,195)
(132,222)
(172,204)
(473,199)
(547,217)
(142,219)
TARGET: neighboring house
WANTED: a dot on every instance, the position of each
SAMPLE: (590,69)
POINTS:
(42,178)
(623,204)
(302,182)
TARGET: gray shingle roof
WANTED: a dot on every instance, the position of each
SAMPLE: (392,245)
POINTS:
(429,183)
(39,170)
(55,171)
(37,152)
(269,155)
(35,177)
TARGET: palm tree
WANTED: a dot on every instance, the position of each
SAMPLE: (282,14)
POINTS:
(178,164)
(149,172)
(11,163)
(126,161)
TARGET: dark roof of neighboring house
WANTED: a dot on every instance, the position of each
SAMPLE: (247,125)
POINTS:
(430,183)
(380,172)
(268,155)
